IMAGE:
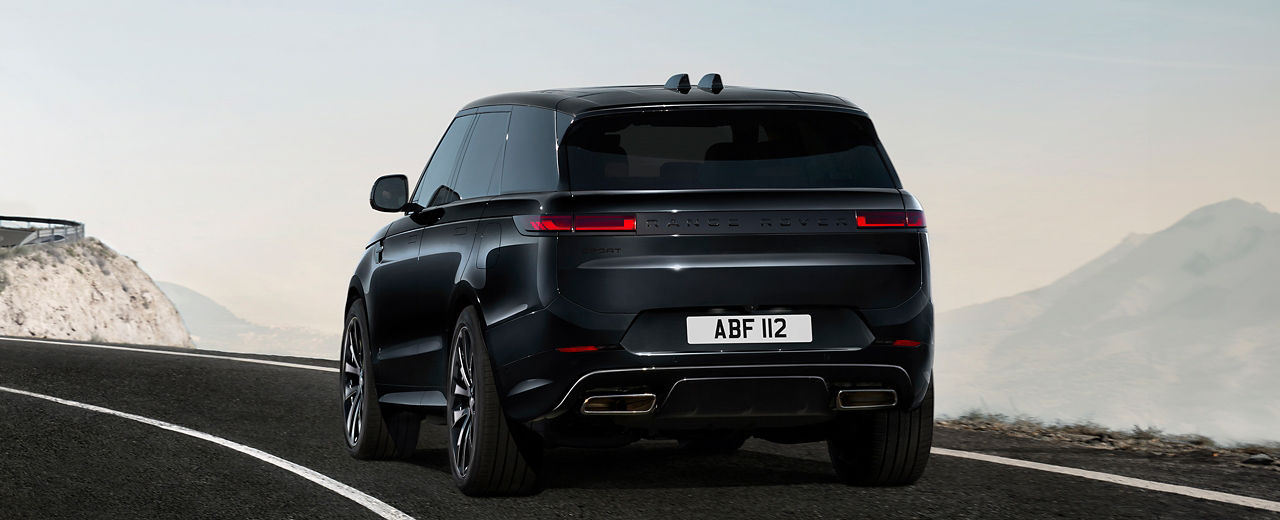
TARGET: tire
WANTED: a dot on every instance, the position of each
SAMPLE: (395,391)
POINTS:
(883,448)
(718,444)
(485,455)
(365,433)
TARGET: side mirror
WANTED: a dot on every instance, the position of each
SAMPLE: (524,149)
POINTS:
(390,193)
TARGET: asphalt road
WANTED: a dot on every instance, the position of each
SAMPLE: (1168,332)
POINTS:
(58,461)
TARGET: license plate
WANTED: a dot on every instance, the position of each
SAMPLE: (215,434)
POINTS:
(772,328)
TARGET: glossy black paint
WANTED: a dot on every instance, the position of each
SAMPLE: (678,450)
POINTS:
(579,101)
(789,251)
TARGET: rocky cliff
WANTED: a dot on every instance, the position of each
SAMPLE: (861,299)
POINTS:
(84,291)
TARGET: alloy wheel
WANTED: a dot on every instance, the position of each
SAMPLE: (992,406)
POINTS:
(463,403)
(353,381)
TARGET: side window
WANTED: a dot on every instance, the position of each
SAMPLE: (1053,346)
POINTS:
(483,158)
(531,152)
(440,168)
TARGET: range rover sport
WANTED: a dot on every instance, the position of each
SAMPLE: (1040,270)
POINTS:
(590,267)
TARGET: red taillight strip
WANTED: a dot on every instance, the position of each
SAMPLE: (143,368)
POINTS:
(890,218)
(577,222)
(604,223)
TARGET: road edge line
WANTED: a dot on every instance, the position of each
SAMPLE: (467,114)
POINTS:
(1204,494)
(378,507)
(172,353)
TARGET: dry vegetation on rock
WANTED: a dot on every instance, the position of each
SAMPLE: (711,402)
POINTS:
(1147,440)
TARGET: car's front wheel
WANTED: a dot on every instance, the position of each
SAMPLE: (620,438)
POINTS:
(884,447)
(484,453)
(365,432)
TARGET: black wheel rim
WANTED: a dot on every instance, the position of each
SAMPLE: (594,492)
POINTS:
(353,381)
(462,403)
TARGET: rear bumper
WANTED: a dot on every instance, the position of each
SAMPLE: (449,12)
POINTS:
(543,397)
(731,397)
(539,383)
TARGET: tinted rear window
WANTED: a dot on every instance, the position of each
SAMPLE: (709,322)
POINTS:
(724,149)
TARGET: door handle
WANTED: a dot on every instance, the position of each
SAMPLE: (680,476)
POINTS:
(378,252)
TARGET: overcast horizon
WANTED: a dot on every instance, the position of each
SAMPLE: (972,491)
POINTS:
(230,149)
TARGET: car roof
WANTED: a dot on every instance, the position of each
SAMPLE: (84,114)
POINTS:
(574,101)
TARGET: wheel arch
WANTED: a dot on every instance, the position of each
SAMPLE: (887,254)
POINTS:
(464,295)
(355,291)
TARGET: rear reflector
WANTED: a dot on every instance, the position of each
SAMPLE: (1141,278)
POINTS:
(890,218)
(577,223)
(906,343)
(586,348)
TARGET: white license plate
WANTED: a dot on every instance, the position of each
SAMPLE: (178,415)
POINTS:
(771,328)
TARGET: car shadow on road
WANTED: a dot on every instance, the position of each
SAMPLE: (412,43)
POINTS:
(659,465)
(656,465)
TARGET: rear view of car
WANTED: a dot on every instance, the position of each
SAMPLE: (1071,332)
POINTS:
(707,264)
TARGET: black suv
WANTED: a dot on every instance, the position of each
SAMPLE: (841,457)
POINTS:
(590,267)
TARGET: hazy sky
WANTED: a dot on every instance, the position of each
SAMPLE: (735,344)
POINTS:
(230,147)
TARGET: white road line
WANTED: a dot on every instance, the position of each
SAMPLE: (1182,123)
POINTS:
(377,506)
(1216,496)
(172,353)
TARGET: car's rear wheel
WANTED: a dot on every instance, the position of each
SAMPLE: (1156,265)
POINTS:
(485,454)
(885,447)
(366,434)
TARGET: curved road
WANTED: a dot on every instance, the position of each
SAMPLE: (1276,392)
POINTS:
(63,461)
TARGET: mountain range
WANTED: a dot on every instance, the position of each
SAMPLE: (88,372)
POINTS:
(214,327)
(1178,329)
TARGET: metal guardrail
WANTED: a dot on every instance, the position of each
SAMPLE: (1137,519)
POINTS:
(22,231)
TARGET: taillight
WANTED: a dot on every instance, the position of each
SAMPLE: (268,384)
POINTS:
(890,218)
(604,223)
(548,223)
(577,222)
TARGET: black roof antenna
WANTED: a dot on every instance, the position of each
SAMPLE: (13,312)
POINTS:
(711,83)
(678,83)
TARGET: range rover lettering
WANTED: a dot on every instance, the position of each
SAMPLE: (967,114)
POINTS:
(591,267)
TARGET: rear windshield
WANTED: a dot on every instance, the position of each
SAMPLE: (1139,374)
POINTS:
(724,149)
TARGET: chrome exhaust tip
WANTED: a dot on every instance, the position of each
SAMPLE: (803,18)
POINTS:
(623,404)
(866,399)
